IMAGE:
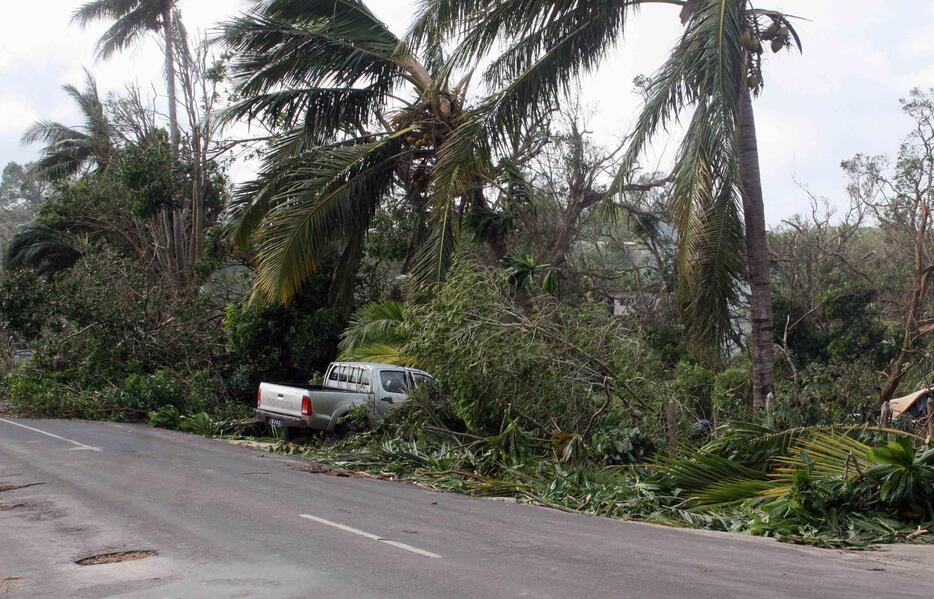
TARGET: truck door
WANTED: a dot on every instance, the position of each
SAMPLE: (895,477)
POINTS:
(393,388)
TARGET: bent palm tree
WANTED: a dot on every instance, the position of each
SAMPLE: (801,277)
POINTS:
(716,68)
(67,149)
(326,73)
(42,248)
(716,184)
(131,20)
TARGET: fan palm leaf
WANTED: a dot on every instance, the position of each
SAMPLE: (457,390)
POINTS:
(377,323)
(376,333)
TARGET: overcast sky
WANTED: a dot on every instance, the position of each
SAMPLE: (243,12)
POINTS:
(838,98)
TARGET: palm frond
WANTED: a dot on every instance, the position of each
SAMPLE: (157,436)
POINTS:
(131,20)
(376,324)
(41,248)
(253,199)
(50,132)
(830,454)
(380,354)
(344,282)
(66,150)
(328,195)
(287,44)
(436,254)
(99,10)
(536,82)
(705,70)
(323,112)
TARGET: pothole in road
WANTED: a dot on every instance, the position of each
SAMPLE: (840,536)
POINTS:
(115,558)
(8,584)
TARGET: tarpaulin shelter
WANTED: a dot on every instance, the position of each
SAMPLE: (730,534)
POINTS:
(916,405)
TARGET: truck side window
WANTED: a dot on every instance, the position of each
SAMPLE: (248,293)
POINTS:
(364,380)
(332,376)
(420,379)
(342,374)
(393,381)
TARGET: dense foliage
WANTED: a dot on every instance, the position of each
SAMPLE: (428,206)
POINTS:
(597,332)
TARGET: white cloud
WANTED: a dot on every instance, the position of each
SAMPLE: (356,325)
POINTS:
(15,116)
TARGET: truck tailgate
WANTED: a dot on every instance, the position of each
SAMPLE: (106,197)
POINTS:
(281,399)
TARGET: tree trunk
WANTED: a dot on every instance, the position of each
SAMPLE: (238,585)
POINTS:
(900,365)
(168,29)
(197,202)
(176,245)
(757,256)
(169,245)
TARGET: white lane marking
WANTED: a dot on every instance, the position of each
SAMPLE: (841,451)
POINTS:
(371,536)
(77,446)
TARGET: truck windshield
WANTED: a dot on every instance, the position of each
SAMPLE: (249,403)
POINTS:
(393,381)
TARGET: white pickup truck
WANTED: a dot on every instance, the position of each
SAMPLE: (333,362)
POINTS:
(346,385)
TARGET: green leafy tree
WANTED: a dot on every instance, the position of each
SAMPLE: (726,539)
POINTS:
(21,194)
(19,187)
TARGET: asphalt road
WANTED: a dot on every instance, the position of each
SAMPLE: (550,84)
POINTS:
(228,521)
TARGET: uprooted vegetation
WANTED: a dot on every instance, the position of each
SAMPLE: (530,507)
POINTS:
(590,435)
(821,486)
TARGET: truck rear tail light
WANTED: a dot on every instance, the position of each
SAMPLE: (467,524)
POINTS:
(259,395)
(306,406)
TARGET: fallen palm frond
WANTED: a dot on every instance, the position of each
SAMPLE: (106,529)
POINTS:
(820,486)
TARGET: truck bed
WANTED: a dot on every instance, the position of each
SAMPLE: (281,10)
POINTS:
(282,405)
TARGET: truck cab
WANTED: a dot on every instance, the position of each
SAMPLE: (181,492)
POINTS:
(346,385)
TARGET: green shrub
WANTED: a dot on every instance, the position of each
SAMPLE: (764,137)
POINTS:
(200,423)
(548,365)
(693,385)
(166,417)
(153,391)
(34,392)
(621,446)
(731,394)
(279,343)
(831,394)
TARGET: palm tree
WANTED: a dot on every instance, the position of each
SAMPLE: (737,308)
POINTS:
(714,69)
(68,150)
(358,118)
(41,248)
(131,20)
(717,189)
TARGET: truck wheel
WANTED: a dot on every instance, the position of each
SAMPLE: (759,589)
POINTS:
(341,430)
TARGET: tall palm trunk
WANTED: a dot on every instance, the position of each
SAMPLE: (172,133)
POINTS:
(168,29)
(757,255)
(176,246)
